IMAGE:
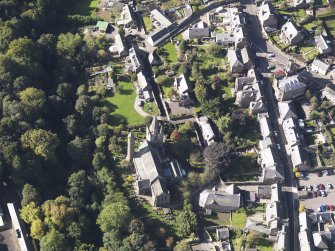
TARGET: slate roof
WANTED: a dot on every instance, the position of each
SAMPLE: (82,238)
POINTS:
(181,84)
(142,81)
(299,156)
(265,127)
(320,65)
(286,110)
(290,84)
(219,201)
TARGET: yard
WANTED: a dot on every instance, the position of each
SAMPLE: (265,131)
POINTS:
(330,23)
(121,105)
(147,23)
(217,219)
(170,50)
(85,7)
(239,219)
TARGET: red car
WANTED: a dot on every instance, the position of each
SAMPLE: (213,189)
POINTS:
(315,194)
(322,187)
(331,208)
(319,174)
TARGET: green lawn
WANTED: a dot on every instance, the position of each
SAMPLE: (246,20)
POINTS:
(301,13)
(85,7)
(306,49)
(171,51)
(217,219)
(239,219)
(330,23)
(122,105)
(147,23)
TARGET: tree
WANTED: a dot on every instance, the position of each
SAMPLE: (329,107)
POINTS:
(186,127)
(23,51)
(112,240)
(182,246)
(30,194)
(59,211)
(201,93)
(215,50)
(30,213)
(84,106)
(147,120)
(301,208)
(78,188)
(37,229)
(183,46)
(68,45)
(32,98)
(186,221)
(314,103)
(212,107)
(175,135)
(80,150)
(42,143)
(217,157)
(113,216)
(53,241)
(171,93)
(136,226)
(253,239)
(164,80)
(223,123)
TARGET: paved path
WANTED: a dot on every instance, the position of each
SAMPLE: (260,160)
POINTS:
(139,109)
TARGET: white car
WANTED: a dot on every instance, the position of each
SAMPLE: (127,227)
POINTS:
(275,132)
(271,55)
(323,193)
(330,186)
(309,188)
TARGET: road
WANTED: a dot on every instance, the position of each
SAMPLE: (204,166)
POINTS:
(260,44)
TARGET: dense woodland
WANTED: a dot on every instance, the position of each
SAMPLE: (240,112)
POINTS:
(55,141)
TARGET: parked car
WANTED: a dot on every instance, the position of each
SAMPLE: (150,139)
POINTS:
(271,55)
(314,194)
(309,188)
(18,233)
(322,208)
(319,174)
(275,132)
(326,172)
(331,207)
(322,187)
(330,186)
(271,67)
(323,193)
(316,187)
(278,146)
(319,193)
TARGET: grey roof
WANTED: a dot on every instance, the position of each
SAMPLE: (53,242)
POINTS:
(290,30)
(142,81)
(328,93)
(159,34)
(322,44)
(270,175)
(219,201)
(269,157)
(119,43)
(147,166)
(239,35)
(225,37)
(127,15)
(283,244)
(299,156)
(305,240)
(304,222)
(290,84)
(286,110)
(265,127)
(240,82)
(257,226)
(319,241)
(264,191)
(320,65)
(265,143)
(266,10)
(181,84)
(222,233)
(160,17)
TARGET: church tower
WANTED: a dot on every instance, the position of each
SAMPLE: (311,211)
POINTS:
(130,150)
(155,132)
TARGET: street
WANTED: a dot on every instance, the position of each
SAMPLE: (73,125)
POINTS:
(261,45)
